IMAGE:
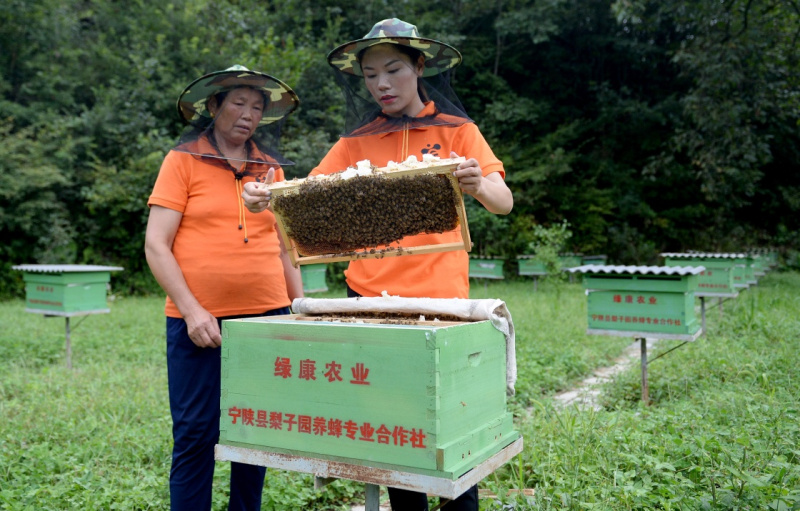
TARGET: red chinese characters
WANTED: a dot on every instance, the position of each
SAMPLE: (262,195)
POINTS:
(333,371)
(321,426)
(637,299)
(643,320)
(283,367)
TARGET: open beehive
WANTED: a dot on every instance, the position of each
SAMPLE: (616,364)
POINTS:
(365,212)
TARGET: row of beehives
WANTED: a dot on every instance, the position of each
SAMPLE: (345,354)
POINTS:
(657,299)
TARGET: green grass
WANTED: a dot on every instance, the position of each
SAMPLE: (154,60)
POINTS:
(722,431)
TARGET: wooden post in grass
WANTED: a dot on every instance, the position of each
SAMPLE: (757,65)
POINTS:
(642,302)
(645,387)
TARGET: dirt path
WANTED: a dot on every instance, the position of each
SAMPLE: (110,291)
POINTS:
(587,392)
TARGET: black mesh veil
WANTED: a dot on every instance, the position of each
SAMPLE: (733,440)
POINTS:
(262,149)
(365,117)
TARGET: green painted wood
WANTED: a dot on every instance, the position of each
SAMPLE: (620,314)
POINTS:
(636,282)
(571,261)
(531,266)
(468,450)
(66,292)
(737,265)
(418,377)
(471,371)
(594,259)
(717,277)
(486,268)
(313,276)
(642,311)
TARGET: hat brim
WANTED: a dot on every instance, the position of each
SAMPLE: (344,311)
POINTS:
(439,56)
(281,99)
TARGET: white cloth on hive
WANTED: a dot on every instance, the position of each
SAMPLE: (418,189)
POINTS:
(469,310)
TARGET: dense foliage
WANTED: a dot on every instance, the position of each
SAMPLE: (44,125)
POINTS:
(646,125)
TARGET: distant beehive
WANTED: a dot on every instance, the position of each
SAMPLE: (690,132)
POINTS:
(357,215)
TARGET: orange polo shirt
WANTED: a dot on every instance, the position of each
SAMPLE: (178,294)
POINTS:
(227,276)
(437,275)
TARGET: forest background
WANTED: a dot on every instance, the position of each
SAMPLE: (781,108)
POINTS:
(647,126)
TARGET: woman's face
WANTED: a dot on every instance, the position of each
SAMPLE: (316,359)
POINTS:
(391,78)
(237,118)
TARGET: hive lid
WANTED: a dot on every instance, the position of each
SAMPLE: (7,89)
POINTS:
(643,270)
(705,255)
(491,309)
(64,268)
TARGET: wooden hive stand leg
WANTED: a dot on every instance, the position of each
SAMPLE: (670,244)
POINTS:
(645,388)
(372,497)
(68,345)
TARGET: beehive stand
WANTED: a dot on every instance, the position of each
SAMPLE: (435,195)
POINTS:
(285,187)
(66,290)
(327,471)
(529,266)
(664,298)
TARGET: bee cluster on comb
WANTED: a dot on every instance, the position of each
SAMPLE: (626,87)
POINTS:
(359,211)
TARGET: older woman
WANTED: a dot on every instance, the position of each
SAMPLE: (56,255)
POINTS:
(201,245)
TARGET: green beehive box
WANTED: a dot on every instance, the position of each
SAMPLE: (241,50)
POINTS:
(760,265)
(570,260)
(718,277)
(66,289)
(642,299)
(598,259)
(529,265)
(750,275)
(486,268)
(426,398)
(741,279)
(314,278)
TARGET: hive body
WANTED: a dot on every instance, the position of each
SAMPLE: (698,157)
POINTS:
(422,398)
(640,300)
(66,289)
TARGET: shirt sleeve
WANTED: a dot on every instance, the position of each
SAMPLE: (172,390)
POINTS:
(472,144)
(338,158)
(171,189)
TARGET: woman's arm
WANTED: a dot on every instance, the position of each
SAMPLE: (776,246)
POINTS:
(162,225)
(293,276)
(491,190)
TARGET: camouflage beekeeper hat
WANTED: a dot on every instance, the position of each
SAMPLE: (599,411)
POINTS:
(439,56)
(281,99)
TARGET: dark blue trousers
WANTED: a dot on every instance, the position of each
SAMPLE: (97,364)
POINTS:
(407,500)
(194,401)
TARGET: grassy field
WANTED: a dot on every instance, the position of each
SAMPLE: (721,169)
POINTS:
(722,432)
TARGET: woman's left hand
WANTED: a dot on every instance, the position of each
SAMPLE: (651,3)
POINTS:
(257,196)
(490,190)
(469,175)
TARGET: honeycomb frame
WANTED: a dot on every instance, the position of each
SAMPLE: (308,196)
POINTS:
(392,249)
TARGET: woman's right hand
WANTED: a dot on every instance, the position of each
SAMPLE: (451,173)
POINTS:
(257,196)
(203,328)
